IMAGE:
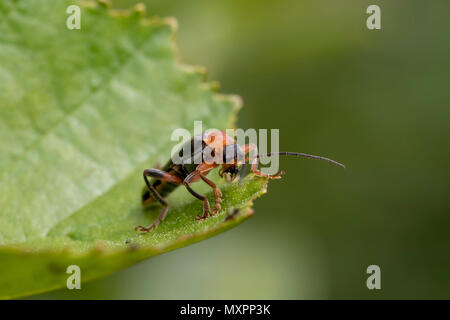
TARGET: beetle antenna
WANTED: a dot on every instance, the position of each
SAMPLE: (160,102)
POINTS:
(297,154)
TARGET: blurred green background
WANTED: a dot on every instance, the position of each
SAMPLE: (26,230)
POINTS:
(379,101)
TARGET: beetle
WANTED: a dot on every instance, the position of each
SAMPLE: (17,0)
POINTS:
(207,151)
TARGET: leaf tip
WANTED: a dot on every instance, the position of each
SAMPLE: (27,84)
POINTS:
(105,3)
(140,8)
(172,22)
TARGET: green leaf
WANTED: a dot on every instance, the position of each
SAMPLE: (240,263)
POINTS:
(82,113)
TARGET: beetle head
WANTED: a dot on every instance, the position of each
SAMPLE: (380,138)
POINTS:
(230,172)
(232,159)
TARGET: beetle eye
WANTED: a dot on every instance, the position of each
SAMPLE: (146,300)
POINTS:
(232,172)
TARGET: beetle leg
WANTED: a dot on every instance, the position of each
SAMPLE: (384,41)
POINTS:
(206,207)
(258,173)
(164,176)
(217,193)
(253,160)
(160,175)
(202,169)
